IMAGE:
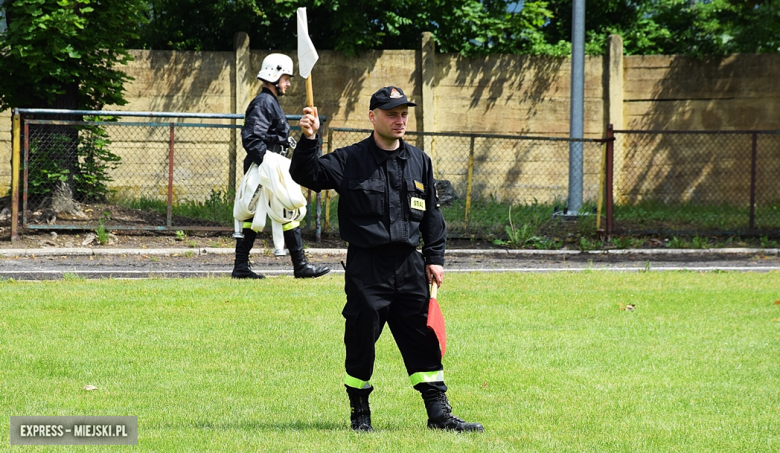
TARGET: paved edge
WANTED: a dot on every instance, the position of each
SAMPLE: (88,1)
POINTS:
(318,251)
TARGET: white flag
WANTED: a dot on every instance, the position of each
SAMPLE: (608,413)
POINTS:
(307,54)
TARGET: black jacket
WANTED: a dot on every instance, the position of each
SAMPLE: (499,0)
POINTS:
(265,125)
(386,199)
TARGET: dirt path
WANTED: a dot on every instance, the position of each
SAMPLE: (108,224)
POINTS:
(54,263)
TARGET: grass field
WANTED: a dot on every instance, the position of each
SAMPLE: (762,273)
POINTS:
(547,362)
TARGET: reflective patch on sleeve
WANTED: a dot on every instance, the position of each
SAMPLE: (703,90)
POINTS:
(418,204)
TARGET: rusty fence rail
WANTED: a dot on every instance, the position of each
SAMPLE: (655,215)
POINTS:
(695,183)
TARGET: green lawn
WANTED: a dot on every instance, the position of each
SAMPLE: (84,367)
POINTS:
(547,362)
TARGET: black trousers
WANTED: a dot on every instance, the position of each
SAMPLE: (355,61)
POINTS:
(392,289)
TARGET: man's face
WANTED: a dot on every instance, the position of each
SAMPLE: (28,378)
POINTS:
(284,83)
(390,124)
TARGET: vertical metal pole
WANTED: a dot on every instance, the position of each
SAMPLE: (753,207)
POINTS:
(232,158)
(318,227)
(577,106)
(308,209)
(469,180)
(602,184)
(16,149)
(318,218)
(327,192)
(170,177)
(25,170)
(753,165)
(609,179)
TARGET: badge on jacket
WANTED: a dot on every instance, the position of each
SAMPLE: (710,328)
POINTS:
(418,204)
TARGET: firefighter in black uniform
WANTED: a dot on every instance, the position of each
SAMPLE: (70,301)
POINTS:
(266,129)
(387,202)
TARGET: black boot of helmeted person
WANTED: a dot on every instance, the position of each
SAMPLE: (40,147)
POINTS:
(241,267)
(301,267)
(440,412)
(359,412)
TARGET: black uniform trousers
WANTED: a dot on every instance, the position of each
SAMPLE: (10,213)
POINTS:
(387,288)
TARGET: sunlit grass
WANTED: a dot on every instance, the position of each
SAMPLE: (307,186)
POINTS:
(547,362)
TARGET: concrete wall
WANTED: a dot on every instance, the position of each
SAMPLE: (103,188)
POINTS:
(683,93)
(736,92)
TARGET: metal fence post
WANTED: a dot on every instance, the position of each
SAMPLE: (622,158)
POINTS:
(469,181)
(25,170)
(318,196)
(753,164)
(610,155)
(170,177)
(327,192)
(17,148)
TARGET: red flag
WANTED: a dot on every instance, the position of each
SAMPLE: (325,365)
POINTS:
(436,320)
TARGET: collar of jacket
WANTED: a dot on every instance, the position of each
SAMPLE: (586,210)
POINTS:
(266,90)
(380,155)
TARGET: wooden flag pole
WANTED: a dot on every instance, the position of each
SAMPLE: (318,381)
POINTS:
(309,93)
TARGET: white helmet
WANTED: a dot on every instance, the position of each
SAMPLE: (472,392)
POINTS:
(274,66)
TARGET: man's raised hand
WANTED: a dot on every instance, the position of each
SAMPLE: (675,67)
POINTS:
(310,122)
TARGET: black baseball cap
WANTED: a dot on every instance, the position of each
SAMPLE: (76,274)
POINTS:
(389,97)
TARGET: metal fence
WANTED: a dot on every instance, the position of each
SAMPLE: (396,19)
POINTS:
(173,171)
(487,183)
(696,183)
(128,170)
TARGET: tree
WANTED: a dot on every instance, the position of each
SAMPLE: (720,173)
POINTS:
(470,27)
(62,54)
(683,27)
(349,26)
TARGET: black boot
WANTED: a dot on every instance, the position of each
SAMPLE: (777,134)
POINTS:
(360,413)
(301,267)
(440,413)
(241,267)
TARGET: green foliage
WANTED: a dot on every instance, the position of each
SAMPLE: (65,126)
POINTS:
(699,242)
(469,27)
(350,26)
(91,172)
(587,244)
(586,224)
(677,243)
(622,242)
(45,168)
(670,27)
(518,237)
(95,163)
(656,215)
(217,208)
(50,44)
(101,231)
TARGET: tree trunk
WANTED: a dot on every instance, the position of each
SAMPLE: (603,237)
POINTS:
(59,143)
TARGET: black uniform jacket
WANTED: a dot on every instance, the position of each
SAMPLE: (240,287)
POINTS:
(265,125)
(387,200)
